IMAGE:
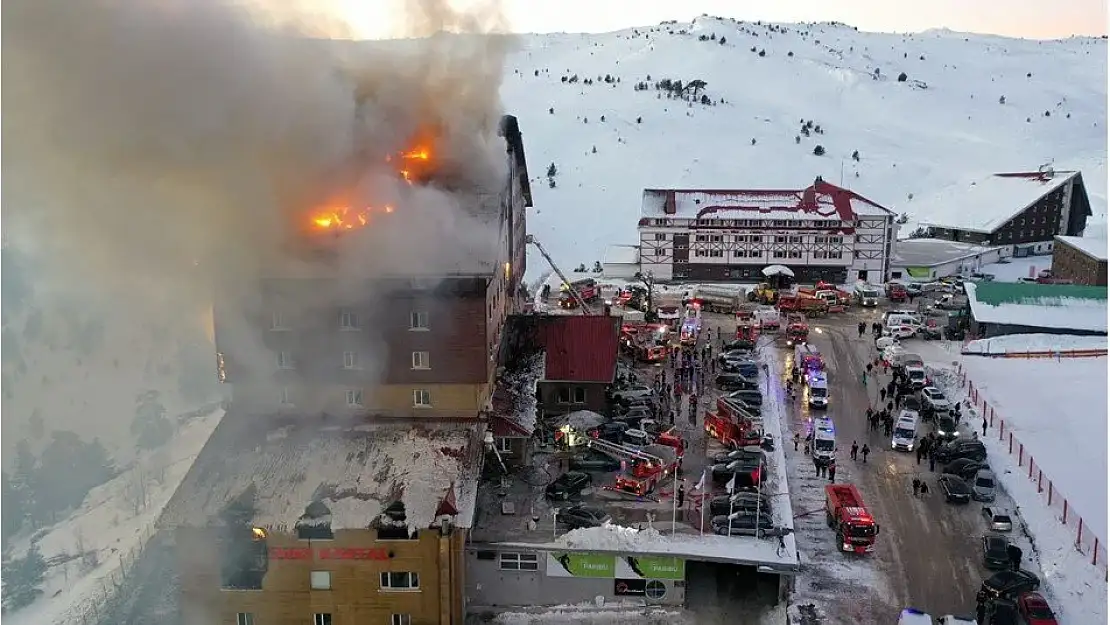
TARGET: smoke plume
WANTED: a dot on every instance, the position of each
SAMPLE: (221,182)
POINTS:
(151,145)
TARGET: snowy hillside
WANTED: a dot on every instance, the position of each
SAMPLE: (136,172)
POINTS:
(943,124)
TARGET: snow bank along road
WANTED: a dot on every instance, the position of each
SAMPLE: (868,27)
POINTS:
(927,549)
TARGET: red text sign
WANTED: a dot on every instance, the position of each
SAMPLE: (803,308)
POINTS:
(330,553)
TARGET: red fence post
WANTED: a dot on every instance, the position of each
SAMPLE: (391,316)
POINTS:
(1065,510)
(1050,493)
(1011,443)
(1040,484)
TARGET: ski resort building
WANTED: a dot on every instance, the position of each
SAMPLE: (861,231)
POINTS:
(1000,308)
(1025,210)
(822,232)
(1081,260)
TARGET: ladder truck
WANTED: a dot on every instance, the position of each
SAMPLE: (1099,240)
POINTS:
(531,239)
(646,467)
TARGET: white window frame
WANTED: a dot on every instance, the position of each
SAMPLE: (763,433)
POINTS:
(322,618)
(244,618)
(504,445)
(277,321)
(354,398)
(511,561)
(418,321)
(412,579)
(400,619)
(421,398)
(349,321)
(283,396)
(285,360)
(421,360)
(350,360)
(319,580)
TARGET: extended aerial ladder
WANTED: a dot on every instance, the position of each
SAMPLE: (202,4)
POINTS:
(573,292)
(622,452)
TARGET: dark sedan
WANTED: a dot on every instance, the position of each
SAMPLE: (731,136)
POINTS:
(740,525)
(594,461)
(965,468)
(747,472)
(996,555)
(569,484)
(581,516)
(1007,585)
(961,448)
(739,502)
(751,397)
(954,489)
(946,427)
(735,397)
(744,453)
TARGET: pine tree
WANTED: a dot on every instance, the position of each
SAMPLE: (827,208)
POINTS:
(22,577)
(150,427)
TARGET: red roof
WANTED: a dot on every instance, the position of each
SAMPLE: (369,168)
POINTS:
(502,427)
(581,348)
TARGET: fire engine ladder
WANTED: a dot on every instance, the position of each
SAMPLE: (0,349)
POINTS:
(757,422)
(622,452)
(573,291)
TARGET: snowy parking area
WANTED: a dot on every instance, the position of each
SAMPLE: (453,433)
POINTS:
(1017,268)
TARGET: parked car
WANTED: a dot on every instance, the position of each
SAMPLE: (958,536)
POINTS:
(627,394)
(918,378)
(609,431)
(579,516)
(1007,585)
(738,399)
(1001,612)
(885,341)
(747,472)
(749,396)
(965,468)
(741,524)
(997,519)
(954,489)
(750,452)
(961,448)
(593,461)
(736,345)
(568,485)
(1035,610)
(910,402)
(996,552)
(739,502)
(932,398)
(982,485)
(946,427)
(735,381)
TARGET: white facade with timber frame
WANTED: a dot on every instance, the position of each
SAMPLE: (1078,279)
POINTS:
(822,232)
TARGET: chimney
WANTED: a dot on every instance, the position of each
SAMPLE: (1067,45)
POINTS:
(669,204)
(818,180)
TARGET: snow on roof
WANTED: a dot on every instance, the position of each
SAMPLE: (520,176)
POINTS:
(621,255)
(822,201)
(355,471)
(581,420)
(1021,343)
(629,540)
(984,204)
(1059,306)
(514,398)
(1095,248)
(932,252)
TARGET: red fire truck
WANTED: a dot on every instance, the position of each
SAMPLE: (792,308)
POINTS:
(587,289)
(896,292)
(654,464)
(796,330)
(845,513)
(733,426)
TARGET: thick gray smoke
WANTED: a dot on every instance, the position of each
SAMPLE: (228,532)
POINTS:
(151,145)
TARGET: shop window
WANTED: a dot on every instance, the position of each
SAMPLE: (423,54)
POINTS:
(322,618)
(519,562)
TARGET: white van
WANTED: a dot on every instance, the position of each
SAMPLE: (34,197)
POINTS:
(824,439)
(913,616)
(905,431)
(818,384)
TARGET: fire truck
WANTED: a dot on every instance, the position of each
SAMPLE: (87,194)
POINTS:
(747,332)
(733,426)
(844,298)
(587,289)
(645,342)
(845,513)
(807,358)
(643,469)
(797,331)
(896,292)
(803,302)
(691,324)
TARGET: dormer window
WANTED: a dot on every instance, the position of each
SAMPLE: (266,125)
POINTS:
(315,523)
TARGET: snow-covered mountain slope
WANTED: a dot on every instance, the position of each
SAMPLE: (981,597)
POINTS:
(945,123)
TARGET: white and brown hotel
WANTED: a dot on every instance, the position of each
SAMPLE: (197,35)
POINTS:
(822,232)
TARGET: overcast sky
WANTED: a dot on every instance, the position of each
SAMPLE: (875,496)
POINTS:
(1015,18)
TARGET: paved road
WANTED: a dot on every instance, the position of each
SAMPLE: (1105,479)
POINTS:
(928,549)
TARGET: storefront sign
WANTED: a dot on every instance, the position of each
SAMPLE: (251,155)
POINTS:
(653,567)
(629,587)
(328,553)
(595,565)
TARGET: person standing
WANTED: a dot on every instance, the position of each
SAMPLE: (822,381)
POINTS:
(916,486)
(681,493)
(924,488)
(832,470)
(855,450)
(797,438)
(984,426)
(866,450)
(862,327)
(1015,554)
(920,451)
(932,460)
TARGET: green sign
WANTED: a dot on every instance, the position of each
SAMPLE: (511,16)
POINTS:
(918,272)
(595,565)
(653,567)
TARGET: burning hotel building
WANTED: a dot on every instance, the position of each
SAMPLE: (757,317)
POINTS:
(340,486)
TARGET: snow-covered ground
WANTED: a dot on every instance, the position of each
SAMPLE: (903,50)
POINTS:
(1017,268)
(913,139)
(1022,343)
(1057,409)
(110,529)
(588,614)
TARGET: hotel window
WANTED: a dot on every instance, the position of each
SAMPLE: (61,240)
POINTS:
(778,254)
(322,618)
(350,360)
(779,223)
(348,320)
(820,239)
(277,321)
(283,396)
(716,238)
(716,253)
(421,360)
(795,239)
(780,239)
(421,398)
(579,395)
(285,360)
(354,398)
(400,619)
(244,618)
(739,254)
(660,237)
(836,240)
(418,320)
(836,255)
(319,580)
(794,254)
(701,238)
(699,253)
(519,562)
(396,580)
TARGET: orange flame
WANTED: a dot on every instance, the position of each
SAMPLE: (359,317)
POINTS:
(410,164)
